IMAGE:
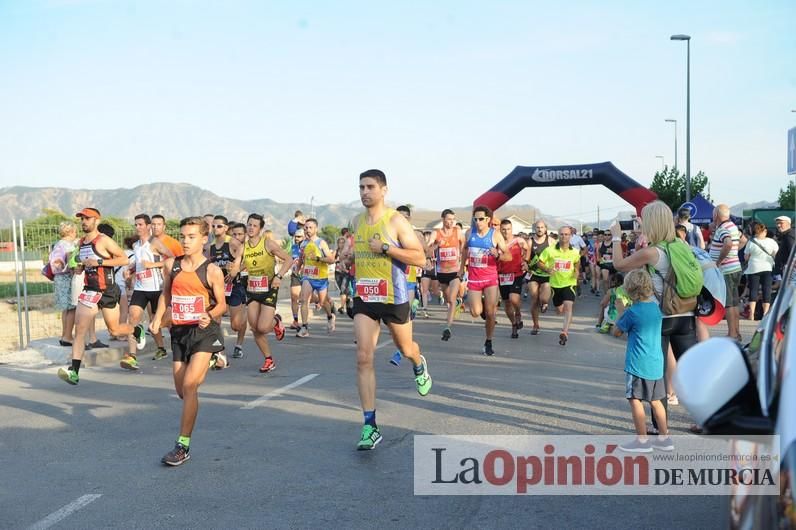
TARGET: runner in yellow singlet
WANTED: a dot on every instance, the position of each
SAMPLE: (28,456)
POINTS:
(384,244)
(259,259)
(315,257)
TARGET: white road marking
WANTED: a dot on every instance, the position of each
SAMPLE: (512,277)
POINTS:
(383,344)
(279,391)
(65,512)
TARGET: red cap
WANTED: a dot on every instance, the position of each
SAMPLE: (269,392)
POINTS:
(88,212)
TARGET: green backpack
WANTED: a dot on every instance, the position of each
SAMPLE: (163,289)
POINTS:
(684,281)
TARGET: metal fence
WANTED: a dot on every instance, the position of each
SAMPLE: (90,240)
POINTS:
(27,298)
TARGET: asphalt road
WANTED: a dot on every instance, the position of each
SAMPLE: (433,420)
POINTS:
(268,457)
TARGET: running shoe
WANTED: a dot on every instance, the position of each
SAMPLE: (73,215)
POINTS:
(129,362)
(159,354)
(425,313)
(237,353)
(662,444)
(544,308)
(637,446)
(295,325)
(303,332)
(369,438)
(177,456)
(520,325)
(534,331)
(446,334)
(459,306)
(330,324)
(268,365)
(605,327)
(218,361)
(279,328)
(562,338)
(672,399)
(395,360)
(488,348)
(96,344)
(423,381)
(413,309)
(514,334)
(140,337)
(68,375)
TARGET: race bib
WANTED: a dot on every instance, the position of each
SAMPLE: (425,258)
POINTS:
(562,265)
(143,275)
(311,271)
(372,289)
(258,284)
(89,298)
(448,254)
(187,309)
(478,258)
(506,279)
(227,289)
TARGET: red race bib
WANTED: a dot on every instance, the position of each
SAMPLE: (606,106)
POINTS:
(143,275)
(506,278)
(372,289)
(258,284)
(89,298)
(227,289)
(187,309)
(448,254)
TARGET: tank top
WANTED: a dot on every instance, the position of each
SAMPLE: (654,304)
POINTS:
(481,264)
(146,279)
(314,268)
(563,263)
(508,271)
(261,266)
(536,251)
(95,278)
(606,253)
(378,278)
(191,295)
(448,255)
(221,256)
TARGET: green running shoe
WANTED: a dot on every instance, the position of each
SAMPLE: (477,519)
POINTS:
(129,362)
(423,381)
(370,438)
(161,353)
(68,375)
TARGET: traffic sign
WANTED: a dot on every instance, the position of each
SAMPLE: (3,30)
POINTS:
(792,151)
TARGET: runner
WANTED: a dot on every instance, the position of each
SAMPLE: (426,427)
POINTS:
(295,277)
(97,256)
(539,282)
(429,284)
(238,313)
(223,251)
(341,273)
(193,289)
(605,261)
(149,255)
(483,244)
(159,231)
(510,275)
(448,248)
(315,258)
(562,263)
(385,244)
(259,258)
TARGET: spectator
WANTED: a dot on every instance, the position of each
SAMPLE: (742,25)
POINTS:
(295,223)
(760,253)
(724,251)
(785,239)
(693,235)
(59,263)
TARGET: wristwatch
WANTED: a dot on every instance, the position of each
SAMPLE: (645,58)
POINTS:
(278,275)
(384,248)
(99,262)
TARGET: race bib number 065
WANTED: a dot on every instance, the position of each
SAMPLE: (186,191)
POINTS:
(187,309)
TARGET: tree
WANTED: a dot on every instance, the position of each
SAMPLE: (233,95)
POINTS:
(787,197)
(330,233)
(669,184)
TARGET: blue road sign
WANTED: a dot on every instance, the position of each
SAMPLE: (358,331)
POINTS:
(792,151)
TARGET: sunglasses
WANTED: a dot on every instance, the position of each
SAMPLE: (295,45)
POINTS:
(480,218)
(219,226)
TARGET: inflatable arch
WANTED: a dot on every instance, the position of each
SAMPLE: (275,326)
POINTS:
(604,173)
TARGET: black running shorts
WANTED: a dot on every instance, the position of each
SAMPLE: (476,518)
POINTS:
(187,340)
(563,294)
(514,288)
(143,298)
(267,299)
(446,278)
(387,313)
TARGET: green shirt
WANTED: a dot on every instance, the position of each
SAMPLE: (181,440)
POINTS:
(563,266)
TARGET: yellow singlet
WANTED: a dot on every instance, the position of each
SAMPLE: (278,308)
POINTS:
(314,268)
(261,266)
(379,278)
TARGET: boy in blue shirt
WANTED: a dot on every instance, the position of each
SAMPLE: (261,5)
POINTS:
(643,362)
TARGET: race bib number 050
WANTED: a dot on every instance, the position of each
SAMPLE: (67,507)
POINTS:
(372,289)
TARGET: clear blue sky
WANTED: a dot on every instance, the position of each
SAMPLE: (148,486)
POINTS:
(288,100)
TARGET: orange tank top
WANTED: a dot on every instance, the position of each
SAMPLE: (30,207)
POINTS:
(448,255)
(191,295)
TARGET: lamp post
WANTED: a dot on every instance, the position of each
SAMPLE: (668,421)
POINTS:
(687,39)
(663,164)
(669,120)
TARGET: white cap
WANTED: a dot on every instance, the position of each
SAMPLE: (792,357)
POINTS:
(783,218)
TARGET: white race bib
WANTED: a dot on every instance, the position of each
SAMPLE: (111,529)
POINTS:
(258,284)
(89,298)
(506,278)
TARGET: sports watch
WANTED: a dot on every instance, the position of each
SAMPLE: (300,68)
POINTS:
(384,248)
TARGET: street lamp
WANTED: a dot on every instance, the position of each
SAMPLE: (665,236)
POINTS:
(663,164)
(687,39)
(669,120)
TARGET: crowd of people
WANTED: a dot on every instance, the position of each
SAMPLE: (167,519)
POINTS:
(389,272)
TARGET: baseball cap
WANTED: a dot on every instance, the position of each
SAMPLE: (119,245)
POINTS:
(88,212)
(299,232)
(782,218)
(709,310)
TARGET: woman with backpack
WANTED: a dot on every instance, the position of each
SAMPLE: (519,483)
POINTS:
(759,251)
(657,226)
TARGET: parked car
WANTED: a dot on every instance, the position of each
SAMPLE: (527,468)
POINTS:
(751,390)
